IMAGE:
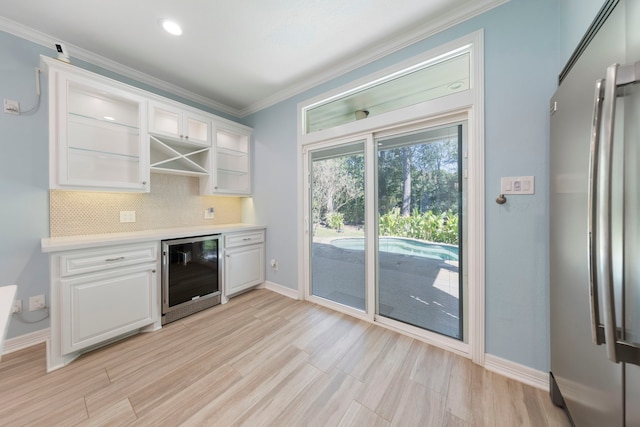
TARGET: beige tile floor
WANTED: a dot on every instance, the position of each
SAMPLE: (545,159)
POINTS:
(266,360)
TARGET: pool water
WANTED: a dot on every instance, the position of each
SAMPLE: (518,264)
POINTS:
(399,245)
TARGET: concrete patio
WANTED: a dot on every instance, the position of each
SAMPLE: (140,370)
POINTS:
(416,290)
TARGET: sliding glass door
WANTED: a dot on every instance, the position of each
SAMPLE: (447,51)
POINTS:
(406,265)
(420,212)
(336,192)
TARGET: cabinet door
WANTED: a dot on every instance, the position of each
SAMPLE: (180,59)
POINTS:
(243,268)
(165,120)
(98,141)
(98,307)
(232,168)
(197,128)
(173,122)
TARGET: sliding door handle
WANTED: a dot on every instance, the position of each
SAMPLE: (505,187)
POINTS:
(597,331)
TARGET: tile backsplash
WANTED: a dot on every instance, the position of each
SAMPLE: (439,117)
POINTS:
(174,201)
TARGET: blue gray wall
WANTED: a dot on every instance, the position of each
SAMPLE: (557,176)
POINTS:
(524,51)
(523,56)
(24,180)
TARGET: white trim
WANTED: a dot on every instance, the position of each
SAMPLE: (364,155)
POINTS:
(280,289)
(451,19)
(476,193)
(26,340)
(441,341)
(516,371)
(469,103)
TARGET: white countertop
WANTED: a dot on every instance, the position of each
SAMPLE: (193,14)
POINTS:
(56,244)
(7,294)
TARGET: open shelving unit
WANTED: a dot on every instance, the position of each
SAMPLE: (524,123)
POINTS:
(232,162)
(178,157)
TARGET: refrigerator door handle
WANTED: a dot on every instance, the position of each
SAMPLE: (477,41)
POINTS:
(603,209)
(618,350)
(597,330)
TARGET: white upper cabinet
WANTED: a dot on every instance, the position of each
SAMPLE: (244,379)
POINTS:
(97,133)
(175,122)
(180,140)
(231,168)
(108,136)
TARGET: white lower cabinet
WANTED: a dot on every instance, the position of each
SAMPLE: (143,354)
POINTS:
(99,295)
(244,262)
(98,307)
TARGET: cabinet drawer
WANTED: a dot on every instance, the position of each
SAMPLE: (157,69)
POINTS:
(81,262)
(245,238)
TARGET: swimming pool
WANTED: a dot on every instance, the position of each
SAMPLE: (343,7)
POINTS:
(403,246)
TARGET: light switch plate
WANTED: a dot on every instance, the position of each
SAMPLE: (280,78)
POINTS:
(517,185)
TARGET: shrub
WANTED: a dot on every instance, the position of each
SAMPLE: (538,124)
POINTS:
(335,220)
(439,228)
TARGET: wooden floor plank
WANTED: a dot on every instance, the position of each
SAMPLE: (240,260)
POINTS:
(264,359)
(120,414)
(360,416)
(420,406)
(323,403)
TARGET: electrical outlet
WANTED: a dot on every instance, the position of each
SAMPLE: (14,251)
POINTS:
(274,264)
(17,306)
(127,216)
(11,106)
(36,302)
(208,213)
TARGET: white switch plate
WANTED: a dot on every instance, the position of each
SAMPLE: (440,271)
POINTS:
(11,106)
(127,216)
(36,302)
(517,185)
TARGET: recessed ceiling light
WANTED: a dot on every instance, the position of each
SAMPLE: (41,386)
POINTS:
(171,27)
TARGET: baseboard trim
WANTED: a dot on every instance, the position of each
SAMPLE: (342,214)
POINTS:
(25,341)
(283,290)
(518,372)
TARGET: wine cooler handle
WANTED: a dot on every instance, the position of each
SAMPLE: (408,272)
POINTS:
(597,331)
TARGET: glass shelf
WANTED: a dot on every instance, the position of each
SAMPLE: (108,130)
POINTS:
(103,120)
(89,151)
(232,172)
(230,152)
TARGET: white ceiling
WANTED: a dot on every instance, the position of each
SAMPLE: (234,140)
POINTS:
(237,56)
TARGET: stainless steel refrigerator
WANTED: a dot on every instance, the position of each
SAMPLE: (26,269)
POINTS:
(595,224)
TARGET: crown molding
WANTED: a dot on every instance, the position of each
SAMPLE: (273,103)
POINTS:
(48,41)
(394,44)
(451,19)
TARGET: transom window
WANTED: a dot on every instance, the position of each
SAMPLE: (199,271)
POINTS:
(434,78)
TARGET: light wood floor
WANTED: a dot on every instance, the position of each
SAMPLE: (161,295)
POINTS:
(264,359)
